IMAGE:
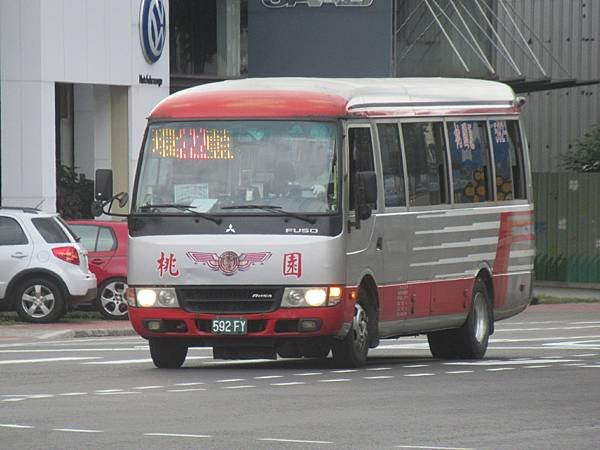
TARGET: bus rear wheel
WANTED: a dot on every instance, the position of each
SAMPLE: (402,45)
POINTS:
(352,350)
(470,341)
(167,354)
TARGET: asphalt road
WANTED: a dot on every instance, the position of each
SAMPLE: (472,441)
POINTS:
(538,388)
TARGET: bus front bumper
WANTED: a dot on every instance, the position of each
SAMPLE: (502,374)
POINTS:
(272,328)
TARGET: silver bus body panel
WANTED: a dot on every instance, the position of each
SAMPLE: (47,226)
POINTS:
(197,260)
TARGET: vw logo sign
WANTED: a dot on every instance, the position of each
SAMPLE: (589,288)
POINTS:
(153,28)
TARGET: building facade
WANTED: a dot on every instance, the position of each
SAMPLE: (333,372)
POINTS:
(77,80)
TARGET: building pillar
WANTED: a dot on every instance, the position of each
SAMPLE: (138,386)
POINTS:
(228,38)
(28,144)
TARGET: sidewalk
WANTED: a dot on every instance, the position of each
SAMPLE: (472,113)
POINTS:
(65,330)
(585,294)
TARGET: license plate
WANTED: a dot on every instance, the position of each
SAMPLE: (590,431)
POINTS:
(229,326)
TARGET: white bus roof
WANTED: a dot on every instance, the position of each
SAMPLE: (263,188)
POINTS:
(252,97)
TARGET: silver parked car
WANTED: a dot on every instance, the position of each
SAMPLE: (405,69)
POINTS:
(43,269)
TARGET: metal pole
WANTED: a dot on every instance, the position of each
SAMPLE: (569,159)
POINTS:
(447,37)
(472,36)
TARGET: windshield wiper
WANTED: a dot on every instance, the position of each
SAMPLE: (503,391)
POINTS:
(272,208)
(186,208)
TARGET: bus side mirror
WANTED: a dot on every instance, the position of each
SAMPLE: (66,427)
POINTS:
(103,187)
(367,195)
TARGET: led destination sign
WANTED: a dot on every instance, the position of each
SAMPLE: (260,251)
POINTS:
(191,143)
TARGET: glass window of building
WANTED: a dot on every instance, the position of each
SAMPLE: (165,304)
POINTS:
(208,40)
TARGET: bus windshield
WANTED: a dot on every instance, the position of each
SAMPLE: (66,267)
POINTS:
(226,167)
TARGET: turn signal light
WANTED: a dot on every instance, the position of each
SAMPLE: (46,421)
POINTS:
(67,254)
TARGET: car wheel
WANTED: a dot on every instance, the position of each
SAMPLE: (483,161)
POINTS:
(167,354)
(352,350)
(470,341)
(111,301)
(40,300)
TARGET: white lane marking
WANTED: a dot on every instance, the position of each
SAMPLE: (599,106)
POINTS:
(456,372)
(147,387)
(585,323)
(344,371)
(73,394)
(118,393)
(508,363)
(235,361)
(585,355)
(14,399)
(414,366)
(179,435)
(583,327)
(588,366)
(375,369)
(552,338)
(247,386)
(419,374)
(186,390)
(538,366)
(40,396)
(231,380)
(298,441)
(69,350)
(592,344)
(40,360)
(75,430)
(268,377)
(292,383)
(532,323)
(14,425)
(431,448)
(189,384)
(138,361)
(573,364)
(500,369)
(308,374)
(104,391)
(335,380)
(381,377)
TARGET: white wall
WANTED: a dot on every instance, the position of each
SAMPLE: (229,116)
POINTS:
(72,41)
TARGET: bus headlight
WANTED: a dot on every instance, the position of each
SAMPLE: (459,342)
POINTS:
(311,297)
(156,298)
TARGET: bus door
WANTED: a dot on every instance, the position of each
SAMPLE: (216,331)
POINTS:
(364,242)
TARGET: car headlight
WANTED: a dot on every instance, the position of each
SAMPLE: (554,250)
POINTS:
(311,297)
(153,298)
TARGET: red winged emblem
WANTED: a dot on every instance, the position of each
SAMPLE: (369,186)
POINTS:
(228,263)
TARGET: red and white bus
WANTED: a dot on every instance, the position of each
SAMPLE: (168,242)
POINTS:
(295,217)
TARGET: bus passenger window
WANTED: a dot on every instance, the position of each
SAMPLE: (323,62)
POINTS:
(361,157)
(508,157)
(469,152)
(426,163)
(391,160)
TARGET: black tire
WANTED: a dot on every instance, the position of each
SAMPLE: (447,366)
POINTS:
(167,354)
(111,300)
(352,350)
(470,341)
(40,300)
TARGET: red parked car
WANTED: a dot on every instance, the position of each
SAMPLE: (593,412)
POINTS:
(106,243)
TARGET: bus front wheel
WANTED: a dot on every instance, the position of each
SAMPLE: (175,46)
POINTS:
(470,341)
(167,354)
(352,350)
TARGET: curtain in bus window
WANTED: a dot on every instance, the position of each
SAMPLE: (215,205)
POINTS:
(508,157)
(361,160)
(391,160)
(426,163)
(469,152)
